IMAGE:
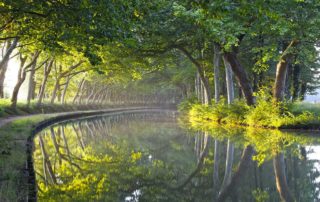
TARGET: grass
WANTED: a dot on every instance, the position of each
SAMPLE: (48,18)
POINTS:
(46,107)
(300,107)
(13,155)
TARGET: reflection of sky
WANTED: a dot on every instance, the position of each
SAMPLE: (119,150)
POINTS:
(313,153)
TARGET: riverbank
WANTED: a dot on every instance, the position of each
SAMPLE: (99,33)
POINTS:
(265,114)
(24,109)
(16,143)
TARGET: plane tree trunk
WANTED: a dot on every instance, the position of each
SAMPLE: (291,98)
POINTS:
(4,63)
(241,76)
(216,65)
(47,70)
(22,76)
(201,72)
(282,67)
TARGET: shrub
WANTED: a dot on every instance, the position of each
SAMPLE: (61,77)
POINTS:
(236,112)
(266,113)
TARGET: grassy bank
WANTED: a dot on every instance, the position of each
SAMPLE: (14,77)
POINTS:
(13,175)
(300,107)
(265,114)
(46,107)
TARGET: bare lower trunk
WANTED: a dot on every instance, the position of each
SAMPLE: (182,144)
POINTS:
(4,64)
(296,82)
(9,51)
(31,84)
(79,89)
(15,92)
(47,71)
(2,77)
(229,82)
(65,91)
(281,180)
(282,66)
(21,78)
(200,71)
(216,64)
(55,89)
(241,76)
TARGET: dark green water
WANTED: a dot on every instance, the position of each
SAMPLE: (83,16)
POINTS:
(150,157)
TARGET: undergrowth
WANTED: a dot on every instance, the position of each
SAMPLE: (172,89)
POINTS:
(266,113)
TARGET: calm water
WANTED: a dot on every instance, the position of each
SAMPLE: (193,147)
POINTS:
(151,157)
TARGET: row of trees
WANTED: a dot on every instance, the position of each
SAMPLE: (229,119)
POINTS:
(70,78)
(259,42)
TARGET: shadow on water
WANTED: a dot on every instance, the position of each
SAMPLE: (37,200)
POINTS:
(151,157)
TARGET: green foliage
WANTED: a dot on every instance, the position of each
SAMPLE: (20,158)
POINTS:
(236,112)
(267,113)
(220,112)
(186,104)
(300,107)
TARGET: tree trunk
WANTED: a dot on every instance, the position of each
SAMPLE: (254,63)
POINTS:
(31,84)
(216,64)
(282,66)
(296,82)
(197,86)
(65,90)
(55,89)
(14,98)
(22,76)
(229,82)
(281,180)
(303,90)
(9,51)
(2,77)
(79,89)
(47,71)
(241,76)
(288,83)
(4,64)
(200,71)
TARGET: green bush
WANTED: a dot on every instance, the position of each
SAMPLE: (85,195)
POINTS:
(266,113)
(220,112)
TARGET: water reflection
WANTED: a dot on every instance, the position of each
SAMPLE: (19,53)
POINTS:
(149,157)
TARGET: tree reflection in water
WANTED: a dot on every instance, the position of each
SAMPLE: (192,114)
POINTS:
(148,157)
